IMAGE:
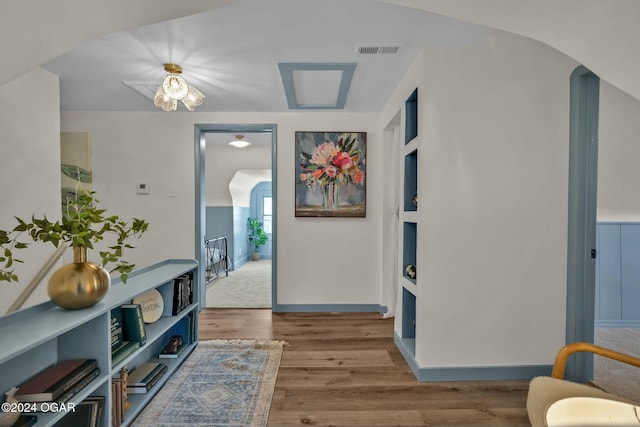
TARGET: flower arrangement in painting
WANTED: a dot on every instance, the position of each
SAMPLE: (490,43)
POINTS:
(332,164)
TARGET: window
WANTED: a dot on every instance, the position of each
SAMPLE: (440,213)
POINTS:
(267,215)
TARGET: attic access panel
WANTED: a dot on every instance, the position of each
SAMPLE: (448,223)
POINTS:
(316,85)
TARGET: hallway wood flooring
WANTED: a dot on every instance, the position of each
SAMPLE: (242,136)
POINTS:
(343,369)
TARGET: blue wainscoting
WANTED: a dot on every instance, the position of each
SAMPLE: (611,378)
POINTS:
(618,274)
(241,248)
(219,223)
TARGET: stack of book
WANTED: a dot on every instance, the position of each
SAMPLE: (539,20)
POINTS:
(128,332)
(177,296)
(58,383)
(145,377)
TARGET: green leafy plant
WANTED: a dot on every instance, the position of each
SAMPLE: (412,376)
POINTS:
(82,225)
(256,234)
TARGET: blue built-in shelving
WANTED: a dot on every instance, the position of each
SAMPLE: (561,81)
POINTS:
(411,181)
(409,230)
(409,318)
(409,249)
(411,117)
(408,337)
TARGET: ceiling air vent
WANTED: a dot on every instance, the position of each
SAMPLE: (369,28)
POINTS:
(377,49)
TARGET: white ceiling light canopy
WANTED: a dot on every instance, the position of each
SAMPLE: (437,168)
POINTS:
(173,88)
(240,142)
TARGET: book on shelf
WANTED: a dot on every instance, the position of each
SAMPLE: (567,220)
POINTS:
(177,295)
(54,381)
(101,401)
(149,381)
(65,398)
(126,349)
(143,373)
(113,405)
(193,328)
(79,386)
(116,329)
(87,413)
(133,324)
(167,291)
(187,294)
(117,401)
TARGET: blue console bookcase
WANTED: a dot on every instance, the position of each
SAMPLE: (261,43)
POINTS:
(39,336)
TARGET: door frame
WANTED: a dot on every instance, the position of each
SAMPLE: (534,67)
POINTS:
(200,204)
(582,211)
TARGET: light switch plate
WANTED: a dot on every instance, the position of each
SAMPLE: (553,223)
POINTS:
(142,188)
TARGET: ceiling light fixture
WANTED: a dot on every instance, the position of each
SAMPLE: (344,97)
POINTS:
(240,142)
(173,88)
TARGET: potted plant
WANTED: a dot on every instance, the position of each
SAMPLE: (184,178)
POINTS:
(257,236)
(82,225)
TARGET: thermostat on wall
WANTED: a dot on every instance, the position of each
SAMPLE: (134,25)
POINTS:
(142,188)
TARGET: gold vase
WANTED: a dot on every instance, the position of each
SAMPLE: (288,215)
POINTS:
(78,285)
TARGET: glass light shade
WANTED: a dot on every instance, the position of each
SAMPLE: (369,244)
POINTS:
(193,98)
(239,142)
(164,101)
(175,86)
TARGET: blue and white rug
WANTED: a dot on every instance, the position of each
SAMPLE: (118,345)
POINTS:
(223,383)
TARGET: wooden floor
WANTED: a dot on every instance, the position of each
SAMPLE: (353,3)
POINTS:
(343,369)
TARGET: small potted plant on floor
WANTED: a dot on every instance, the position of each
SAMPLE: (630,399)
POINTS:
(257,236)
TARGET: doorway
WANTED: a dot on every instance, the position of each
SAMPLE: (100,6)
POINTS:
(202,133)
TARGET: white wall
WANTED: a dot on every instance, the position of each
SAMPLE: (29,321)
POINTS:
(29,168)
(497,123)
(618,156)
(320,261)
(493,203)
(222,162)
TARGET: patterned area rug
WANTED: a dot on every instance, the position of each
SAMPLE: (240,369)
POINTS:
(223,383)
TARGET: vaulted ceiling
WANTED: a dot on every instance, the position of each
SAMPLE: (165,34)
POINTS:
(232,54)
(110,57)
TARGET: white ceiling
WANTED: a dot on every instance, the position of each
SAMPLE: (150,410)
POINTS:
(231,54)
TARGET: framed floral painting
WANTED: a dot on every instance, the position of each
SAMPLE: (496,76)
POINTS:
(331,174)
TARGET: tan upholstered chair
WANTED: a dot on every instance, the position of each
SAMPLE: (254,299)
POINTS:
(544,391)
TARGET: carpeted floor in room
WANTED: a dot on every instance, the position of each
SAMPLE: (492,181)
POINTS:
(247,287)
(615,377)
